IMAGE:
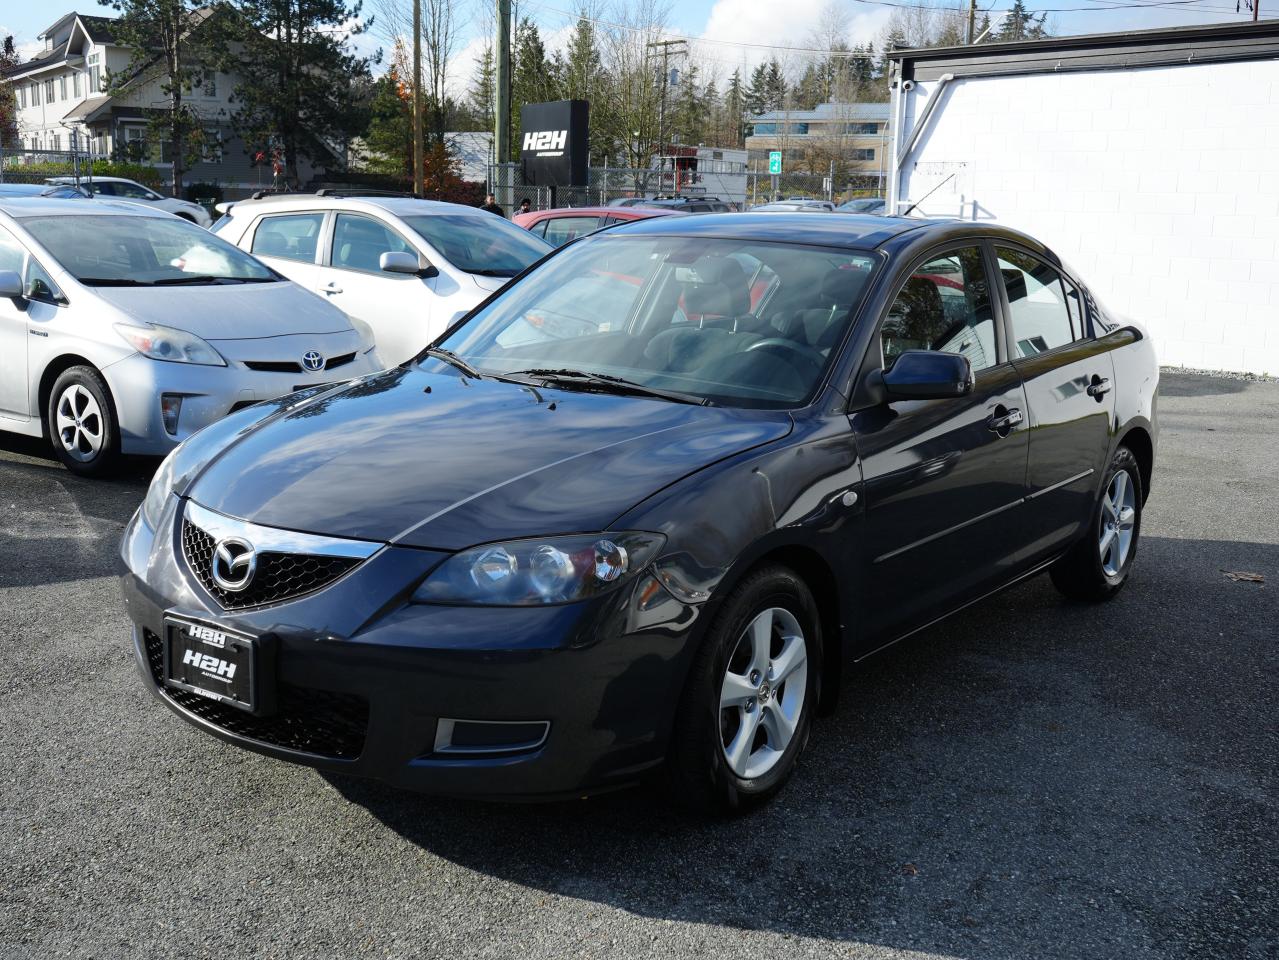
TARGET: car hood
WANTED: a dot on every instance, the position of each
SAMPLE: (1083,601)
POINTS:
(490,284)
(233,311)
(437,460)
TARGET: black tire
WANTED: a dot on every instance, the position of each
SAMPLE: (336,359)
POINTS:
(102,461)
(1081,574)
(699,773)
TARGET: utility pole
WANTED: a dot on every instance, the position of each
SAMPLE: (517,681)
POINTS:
(418,159)
(502,79)
(972,20)
(668,48)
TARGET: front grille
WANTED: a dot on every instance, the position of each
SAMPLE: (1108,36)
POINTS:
(279,576)
(320,722)
(292,366)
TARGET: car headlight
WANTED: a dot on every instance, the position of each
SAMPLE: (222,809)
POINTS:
(166,343)
(158,493)
(534,572)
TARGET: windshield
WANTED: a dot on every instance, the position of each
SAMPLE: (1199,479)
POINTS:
(738,323)
(485,244)
(143,251)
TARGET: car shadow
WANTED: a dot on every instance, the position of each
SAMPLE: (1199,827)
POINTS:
(56,527)
(1029,778)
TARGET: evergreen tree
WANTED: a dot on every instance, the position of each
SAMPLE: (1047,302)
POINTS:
(690,113)
(8,97)
(812,87)
(733,110)
(170,41)
(390,135)
(756,98)
(479,98)
(1021,24)
(299,79)
(775,84)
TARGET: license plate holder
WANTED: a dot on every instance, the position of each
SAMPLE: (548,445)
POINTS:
(216,662)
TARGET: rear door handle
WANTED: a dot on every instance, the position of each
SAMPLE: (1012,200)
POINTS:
(1003,420)
(332,288)
(1099,387)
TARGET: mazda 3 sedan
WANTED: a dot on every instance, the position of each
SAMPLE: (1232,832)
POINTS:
(552,555)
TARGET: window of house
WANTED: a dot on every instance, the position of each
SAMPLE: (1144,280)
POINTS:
(211,149)
(48,91)
(62,87)
(863,153)
(75,84)
(22,97)
(944,305)
(1038,306)
(95,79)
(211,84)
(863,128)
(55,141)
(35,94)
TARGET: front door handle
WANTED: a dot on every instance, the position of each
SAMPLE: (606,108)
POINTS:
(332,288)
(1002,420)
(1099,387)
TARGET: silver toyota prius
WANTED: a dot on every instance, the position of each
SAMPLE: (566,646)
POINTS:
(125,330)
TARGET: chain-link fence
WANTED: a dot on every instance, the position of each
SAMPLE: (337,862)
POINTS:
(35,166)
(741,188)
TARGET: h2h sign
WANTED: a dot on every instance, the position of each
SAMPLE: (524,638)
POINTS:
(555,143)
(774,162)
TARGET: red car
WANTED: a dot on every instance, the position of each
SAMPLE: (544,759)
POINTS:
(566,223)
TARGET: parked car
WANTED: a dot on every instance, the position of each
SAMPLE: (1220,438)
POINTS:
(563,224)
(125,330)
(130,191)
(629,201)
(548,565)
(692,204)
(794,206)
(873,206)
(402,268)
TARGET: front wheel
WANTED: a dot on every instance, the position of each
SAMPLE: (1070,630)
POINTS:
(1097,567)
(81,422)
(746,712)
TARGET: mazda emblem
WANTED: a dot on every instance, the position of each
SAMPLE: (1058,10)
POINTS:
(234,563)
(313,361)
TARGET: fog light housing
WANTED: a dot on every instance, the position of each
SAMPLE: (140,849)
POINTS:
(170,410)
(479,737)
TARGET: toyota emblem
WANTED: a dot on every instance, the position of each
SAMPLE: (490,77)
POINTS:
(234,563)
(312,360)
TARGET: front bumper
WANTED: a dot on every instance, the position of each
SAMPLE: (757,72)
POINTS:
(365,679)
(209,393)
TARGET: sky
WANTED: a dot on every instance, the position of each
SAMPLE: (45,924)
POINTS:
(738,32)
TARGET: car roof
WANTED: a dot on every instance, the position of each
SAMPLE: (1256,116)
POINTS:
(56,206)
(602,212)
(87,179)
(852,230)
(398,206)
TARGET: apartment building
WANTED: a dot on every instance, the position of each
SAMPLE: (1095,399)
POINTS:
(854,135)
(62,102)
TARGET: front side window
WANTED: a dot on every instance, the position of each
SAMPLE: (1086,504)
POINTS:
(1038,306)
(733,322)
(943,305)
(359,242)
(134,191)
(482,244)
(142,251)
(560,230)
(293,236)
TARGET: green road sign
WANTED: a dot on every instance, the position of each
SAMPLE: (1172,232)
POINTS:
(774,162)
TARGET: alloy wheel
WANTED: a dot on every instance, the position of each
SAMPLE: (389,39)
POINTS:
(763,691)
(79,423)
(1118,520)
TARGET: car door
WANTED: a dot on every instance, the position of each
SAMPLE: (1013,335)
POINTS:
(943,479)
(399,308)
(1068,375)
(289,243)
(14,391)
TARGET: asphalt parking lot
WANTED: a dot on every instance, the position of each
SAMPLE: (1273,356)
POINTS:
(1033,779)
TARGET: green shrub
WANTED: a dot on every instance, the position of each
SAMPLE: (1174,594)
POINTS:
(16,172)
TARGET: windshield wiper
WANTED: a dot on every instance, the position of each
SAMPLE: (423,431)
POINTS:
(451,358)
(203,278)
(494,273)
(608,384)
(114,282)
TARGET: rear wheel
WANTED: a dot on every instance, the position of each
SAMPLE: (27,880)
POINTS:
(1097,567)
(81,422)
(746,712)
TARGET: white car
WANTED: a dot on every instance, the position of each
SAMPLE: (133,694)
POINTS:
(130,191)
(403,268)
(125,330)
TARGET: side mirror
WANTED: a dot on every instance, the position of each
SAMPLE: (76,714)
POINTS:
(928,375)
(11,285)
(399,261)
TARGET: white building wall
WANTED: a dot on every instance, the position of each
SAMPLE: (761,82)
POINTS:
(1160,186)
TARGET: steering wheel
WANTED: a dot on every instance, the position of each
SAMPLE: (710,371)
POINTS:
(806,361)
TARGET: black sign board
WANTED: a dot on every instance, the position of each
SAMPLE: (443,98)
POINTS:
(554,143)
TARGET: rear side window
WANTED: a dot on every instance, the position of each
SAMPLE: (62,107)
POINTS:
(943,305)
(289,236)
(1039,309)
(561,230)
